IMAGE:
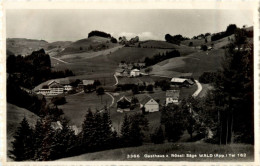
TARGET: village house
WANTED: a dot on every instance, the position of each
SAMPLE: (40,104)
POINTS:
(84,83)
(149,104)
(123,104)
(172,96)
(181,82)
(135,73)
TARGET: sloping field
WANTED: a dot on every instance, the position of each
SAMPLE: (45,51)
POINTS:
(169,149)
(78,57)
(22,46)
(77,106)
(14,116)
(134,54)
(93,43)
(195,63)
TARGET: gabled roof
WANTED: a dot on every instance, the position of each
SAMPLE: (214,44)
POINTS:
(145,99)
(135,70)
(175,94)
(124,99)
(88,82)
(178,80)
(190,81)
(56,86)
(53,81)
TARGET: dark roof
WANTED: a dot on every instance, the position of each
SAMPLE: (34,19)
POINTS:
(190,81)
(124,99)
(173,94)
(145,99)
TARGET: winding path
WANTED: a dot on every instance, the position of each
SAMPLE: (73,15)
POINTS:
(116,80)
(196,93)
(59,60)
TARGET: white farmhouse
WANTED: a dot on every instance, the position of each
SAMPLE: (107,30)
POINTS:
(149,104)
(172,96)
(135,73)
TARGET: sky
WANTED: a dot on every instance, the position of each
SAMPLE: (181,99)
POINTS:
(71,25)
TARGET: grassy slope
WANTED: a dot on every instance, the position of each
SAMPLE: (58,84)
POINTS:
(87,45)
(77,106)
(24,46)
(195,63)
(168,149)
(14,116)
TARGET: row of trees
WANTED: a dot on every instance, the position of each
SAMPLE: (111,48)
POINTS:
(33,69)
(44,142)
(161,57)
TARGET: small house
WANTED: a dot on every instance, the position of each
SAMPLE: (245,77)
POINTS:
(124,103)
(181,82)
(172,96)
(135,73)
(87,82)
(149,104)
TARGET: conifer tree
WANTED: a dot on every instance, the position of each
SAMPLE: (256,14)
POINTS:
(106,128)
(125,131)
(22,145)
(87,131)
(158,137)
(136,136)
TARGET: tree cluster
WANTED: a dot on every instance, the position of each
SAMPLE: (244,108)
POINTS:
(33,69)
(99,33)
(229,31)
(161,57)
(176,39)
(43,142)
(207,77)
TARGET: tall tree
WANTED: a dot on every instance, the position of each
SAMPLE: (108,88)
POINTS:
(125,131)
(234,92)
(22,145)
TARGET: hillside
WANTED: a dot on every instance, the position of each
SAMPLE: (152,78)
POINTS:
(22,46)
(14,116)
(168,149)
(93,43)
(195,63)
